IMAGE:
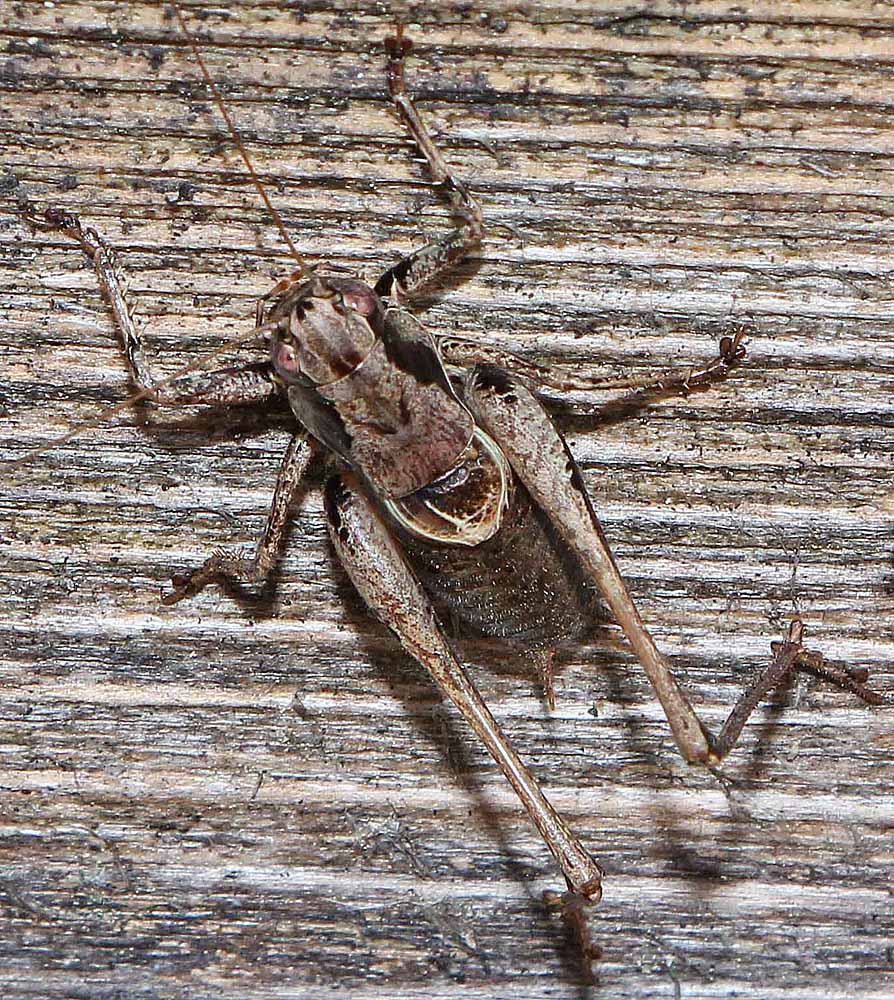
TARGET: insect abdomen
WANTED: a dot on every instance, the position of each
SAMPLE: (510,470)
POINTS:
(521,585)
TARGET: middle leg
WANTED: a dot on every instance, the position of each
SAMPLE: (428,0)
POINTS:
(233,565)
(462,352)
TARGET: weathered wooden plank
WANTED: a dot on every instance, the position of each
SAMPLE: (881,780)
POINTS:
(257,795)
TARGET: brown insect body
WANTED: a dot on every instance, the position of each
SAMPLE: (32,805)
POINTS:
(522,584)
(368,382)
(484,551)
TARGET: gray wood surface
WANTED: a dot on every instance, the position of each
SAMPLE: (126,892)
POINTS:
(258,795)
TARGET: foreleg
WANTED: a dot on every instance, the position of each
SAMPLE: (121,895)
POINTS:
(230,386)
(412,273)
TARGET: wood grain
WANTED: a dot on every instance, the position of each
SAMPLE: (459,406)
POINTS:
(257,795)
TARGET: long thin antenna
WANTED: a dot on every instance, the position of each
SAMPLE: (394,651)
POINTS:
(146,393)
(226,116)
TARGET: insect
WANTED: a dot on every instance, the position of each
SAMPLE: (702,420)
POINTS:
(444,497)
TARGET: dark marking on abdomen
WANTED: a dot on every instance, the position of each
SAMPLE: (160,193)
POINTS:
(523,584)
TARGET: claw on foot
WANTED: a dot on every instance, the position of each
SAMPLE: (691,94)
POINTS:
(398,48)
(572,907)
(181,589)
(732,350)
(852,679)
(189,584)
(58,220)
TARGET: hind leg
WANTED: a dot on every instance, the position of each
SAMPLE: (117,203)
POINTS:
(381,574)
(540,458)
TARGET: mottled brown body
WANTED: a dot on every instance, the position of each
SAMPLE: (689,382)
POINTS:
(368,382)
(404,432)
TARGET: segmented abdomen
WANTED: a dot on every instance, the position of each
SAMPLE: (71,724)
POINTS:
(522,584)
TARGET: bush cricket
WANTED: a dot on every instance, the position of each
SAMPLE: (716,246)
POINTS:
(446,495)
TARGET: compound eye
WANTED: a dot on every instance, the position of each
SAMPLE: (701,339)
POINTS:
(357,296)
(361,300)
(284,360)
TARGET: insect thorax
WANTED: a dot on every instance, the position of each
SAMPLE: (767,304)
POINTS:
(465,506)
